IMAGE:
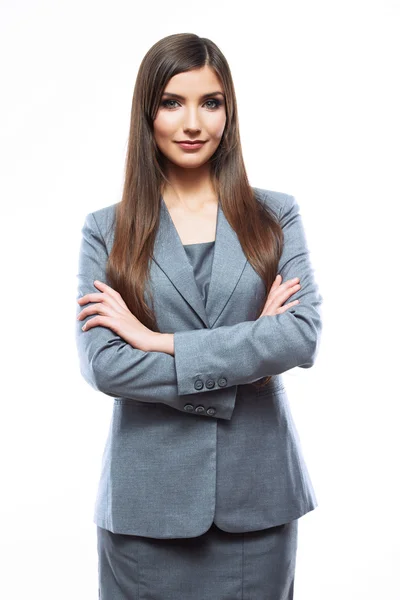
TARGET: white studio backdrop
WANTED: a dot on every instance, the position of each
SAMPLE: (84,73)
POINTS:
(318,97)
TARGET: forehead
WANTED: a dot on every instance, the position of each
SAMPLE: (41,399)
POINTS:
(194,83)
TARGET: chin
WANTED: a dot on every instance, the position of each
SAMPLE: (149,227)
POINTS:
(191,163)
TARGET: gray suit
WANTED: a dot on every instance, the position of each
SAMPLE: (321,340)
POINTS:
(190,441)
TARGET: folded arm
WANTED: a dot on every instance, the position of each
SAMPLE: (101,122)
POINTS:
(111,365)
(227,355)
(245,352)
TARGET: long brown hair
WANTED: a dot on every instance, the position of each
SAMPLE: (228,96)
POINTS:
(137,214)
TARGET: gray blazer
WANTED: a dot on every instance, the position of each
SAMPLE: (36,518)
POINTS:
(190,441)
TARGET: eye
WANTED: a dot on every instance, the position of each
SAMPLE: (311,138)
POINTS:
(217,103)
(165,103)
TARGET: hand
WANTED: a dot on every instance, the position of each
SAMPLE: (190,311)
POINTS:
(278,294)
(113,313)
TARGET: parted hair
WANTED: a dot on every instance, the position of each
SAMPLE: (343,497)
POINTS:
(137,213)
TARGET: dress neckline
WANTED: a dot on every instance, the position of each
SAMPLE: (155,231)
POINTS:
(199,243)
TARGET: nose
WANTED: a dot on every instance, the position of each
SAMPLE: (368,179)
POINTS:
(191,120)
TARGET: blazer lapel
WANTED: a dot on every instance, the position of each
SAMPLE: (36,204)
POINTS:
(228,264)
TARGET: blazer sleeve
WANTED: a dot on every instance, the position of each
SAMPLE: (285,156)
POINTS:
(247,351)
(111,365)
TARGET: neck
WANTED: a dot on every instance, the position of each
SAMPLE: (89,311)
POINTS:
(191,188)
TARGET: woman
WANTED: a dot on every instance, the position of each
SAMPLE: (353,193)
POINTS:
(196,292)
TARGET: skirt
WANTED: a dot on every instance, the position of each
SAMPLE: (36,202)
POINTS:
(217,565)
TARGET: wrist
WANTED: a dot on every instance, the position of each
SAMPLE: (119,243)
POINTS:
(162,342)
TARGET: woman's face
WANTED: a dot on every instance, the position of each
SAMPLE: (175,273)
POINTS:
(192,108)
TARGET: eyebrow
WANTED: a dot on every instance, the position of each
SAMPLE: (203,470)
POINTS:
(202,97)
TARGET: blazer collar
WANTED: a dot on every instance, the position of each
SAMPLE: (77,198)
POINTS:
(228,263)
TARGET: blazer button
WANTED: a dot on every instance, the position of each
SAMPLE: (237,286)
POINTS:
(211,411)
(210,383)
(199,409)
(188,407)
(222,382)
(198,384)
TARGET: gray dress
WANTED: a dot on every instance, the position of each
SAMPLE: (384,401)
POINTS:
(217,565)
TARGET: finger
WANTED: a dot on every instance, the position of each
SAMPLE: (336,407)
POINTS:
(113,301)
(293,281)
(290,282)
(284,308)
(96,321)
(93,297)
(93,309)
(275,286)
(109,290)
(294,288)
(113,293)
(283,294)
(276,283)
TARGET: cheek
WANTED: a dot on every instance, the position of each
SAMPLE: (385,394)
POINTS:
(218,127)
(163,127)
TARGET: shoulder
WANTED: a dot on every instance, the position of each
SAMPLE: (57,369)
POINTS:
(104,220)
(278,202)
(105,215)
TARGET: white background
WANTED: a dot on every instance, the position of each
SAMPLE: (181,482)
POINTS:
(317,89)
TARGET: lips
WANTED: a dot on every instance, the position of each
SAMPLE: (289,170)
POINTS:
(191,145)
